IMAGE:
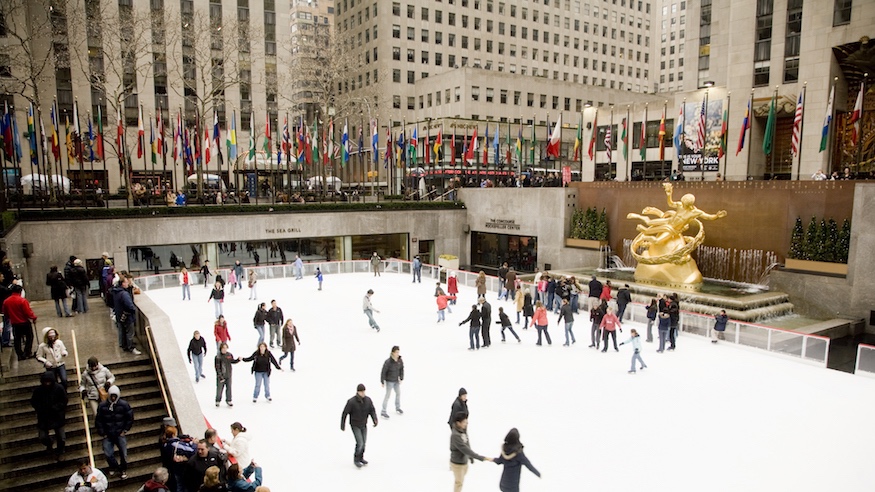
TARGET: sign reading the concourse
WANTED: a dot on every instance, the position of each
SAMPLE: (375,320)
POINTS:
(506,224)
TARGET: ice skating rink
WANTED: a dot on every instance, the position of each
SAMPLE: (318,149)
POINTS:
(706,417)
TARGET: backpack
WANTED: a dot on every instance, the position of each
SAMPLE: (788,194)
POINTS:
(183,449)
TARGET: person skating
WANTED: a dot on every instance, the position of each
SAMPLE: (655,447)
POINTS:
(595,292)
(185,282)
(223,362)
(443,304)
(205,272)
(518,302)
(595,315)
(261,360)
(417,269)
(539,321)
(220,331)
(299,267)
(720,321)
(359,408)
(652,311)
(461,452)
(673,308)
(375,263)
(528,309)
(390,378)
(290,341)
(258,321)
(274,320)
(318,276)
(486,321)
(565,312)
(513,458)
(197,349)
(460,405)
(635,340)
(502,279)
(473,321)
(49,400)
(452,287)
(369,310)
(504,321)
(217,295)
(610,324)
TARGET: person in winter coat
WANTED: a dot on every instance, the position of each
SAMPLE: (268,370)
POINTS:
(359,408)
(220,330)
(565,312)
(197,465)
(375,263)
(185,282)
(224,370)
(720,321)
(606,292)
(78,279)
(275,319)
(217,295)
(86,479)
(212,480)
(238,446)
(443,304)
(510,284)
(318,276)
(452,287)
(17,310)
(51,354)
(473,321)
(652,311)
(299,267)
(513,459)
(480,283)
(664,327)
(595,315)
(461,452)
(672,306)
(504,321)
(518,303)
(261,360)
(232,280)
(635,340)
(49,400)
(238,480)
(551,292)
(485,321)
(158,482)
(502,278)
(238,272)
(197,349)
(417,269)
(539,321)
(258,321)
(206,273)
(95,376)
(595,292)
(369,310)
(290,340)
(125,315)
(391,376)
(624,297)
(114,419)
(460,405)
(252,282)
(528,309)
(610,324)
(58,289)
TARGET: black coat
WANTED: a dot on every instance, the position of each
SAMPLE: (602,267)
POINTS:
(57,285)
(473,318)
(50,403)
(262,363)
(623,296)
(78,277)
(114,418)
(459,406)
(223,365)
(359,409)
(513,463)
(486,313)
(393,371)
(275,316)
(595,288)
(528,309)
(290,340)
(260,317)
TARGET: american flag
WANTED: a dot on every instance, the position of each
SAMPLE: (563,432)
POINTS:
(608,143)
(797,125)
(700,134)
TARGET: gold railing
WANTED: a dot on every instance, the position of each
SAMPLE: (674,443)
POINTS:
(158,372)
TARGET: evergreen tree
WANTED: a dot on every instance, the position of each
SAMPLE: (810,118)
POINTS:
(590,224)
(602,229)
(811,240)
(797,242)
(830,238)
(820,241)
(843,244)
(577,220)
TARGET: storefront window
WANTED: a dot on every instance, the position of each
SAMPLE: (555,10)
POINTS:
(491,250)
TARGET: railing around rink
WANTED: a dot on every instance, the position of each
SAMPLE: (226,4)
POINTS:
(810,348)
(865,360)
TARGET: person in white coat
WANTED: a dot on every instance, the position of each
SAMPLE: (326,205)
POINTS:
(635,340)
(94,478)
(238,447)
(51,354)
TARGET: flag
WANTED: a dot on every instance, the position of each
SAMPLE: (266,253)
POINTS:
(745,125)
(251,137)
(159,139)
(16,140)
(508,154)
(624,137)
(827,120)
(519,143)
(120,139)
(287,138)
(56,144)
(6,130)
(91,139)
(177,138)
(344,142)
(217,136)
(724,130)
(453,149)
(608,144)
(99,135)
(413,144)
(308,144)
(578,139)
(68,138)
(151,140)
(43,140)
(232,137)
(375,144)
(532,144)
(387,155)
(207,151)
(31,136)
(314,143)
(642,138)
(679,131)
(595,132)
(662,136)
(77,132)
(856,116)
(495,145)
(400,152)
(769,135)
(438,144)
(141,133)
(471,152)
(267,140)
(186,149)
(700,130)
(555,142)
(486,146)
(330,142)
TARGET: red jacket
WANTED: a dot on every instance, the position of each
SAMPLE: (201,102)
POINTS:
(606,293)
(17,309)
(540,317)
(452,285)
(442,301)
(221,332)
(610,322)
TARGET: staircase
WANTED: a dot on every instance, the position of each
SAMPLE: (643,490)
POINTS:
(24,464)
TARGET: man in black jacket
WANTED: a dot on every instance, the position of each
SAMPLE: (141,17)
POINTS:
(390,378)
(485,321)
(624,297)
(114,419)
(359,408)
(460,405)
(197,466)
(595,292)
(50,402)
(275,319)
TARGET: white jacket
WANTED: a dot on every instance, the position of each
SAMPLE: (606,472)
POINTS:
(96,478)
(239,449)
(53,356)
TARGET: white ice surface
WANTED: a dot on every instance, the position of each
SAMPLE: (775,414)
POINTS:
(702,418)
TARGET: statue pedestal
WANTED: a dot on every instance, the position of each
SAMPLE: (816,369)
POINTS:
(669,274)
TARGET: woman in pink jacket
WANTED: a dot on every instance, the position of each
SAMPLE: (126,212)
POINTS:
(610,324)
(539,321)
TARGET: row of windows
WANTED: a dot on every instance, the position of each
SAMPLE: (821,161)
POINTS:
(438,17)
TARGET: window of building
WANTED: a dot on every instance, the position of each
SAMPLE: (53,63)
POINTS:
(396,31)
(423,57)
(396,9)
(451,40)
(411,103)
(411,76)
(424,35)
(396,76)
(411,55)
(396,53)
(490,95)
(396,101)
(424,14)
(411,34)
(438,59)
(411,11)
(842,12)
(475,93)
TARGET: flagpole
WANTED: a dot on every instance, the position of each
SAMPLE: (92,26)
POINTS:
(79,156)
(705,139)
(626,140)
(58,164)
(829,148)
(611,147)
(772,136)
(862,111)
(644,143)
(683,134)
(801,133)
(725,140)
(748,130)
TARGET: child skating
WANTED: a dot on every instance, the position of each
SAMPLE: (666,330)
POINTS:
(504,321)
(635,340)
(443,305)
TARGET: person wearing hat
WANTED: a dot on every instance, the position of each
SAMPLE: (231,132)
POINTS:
(49,400)
(460,405)
(359,408)
(114,419)
(417,269)
(78,279)
(369,310)
(460,451)
(107,272)
(51,354)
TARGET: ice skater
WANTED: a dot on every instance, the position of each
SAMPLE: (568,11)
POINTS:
(375,263)
(652,311)
(539,321)
(217,295)
(609,326)
(258,321)
(452,286)
(460,451)
(417,269)
(528,309)
(290,340)
(568,314)
(220,330)
(635,340)
(205,271)
(299,267)
(318,276)
(223,362)
(369,310)
(261,360)
(504,321)
(486,321)
(197,349)
(443,304)
(663,329)
(390,378)
(595,315)
(359,408)
(460,405)
(473,321)
(185,282)
(720,321)
(513,459)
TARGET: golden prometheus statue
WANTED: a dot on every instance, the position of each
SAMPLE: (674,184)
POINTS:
(662,249)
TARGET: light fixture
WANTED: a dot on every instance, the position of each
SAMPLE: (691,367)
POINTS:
(708,83)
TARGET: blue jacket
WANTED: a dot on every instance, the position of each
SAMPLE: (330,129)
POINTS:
(122,303)
(720,322)
(513,463)
(241,485)
(417,265)
(664,323)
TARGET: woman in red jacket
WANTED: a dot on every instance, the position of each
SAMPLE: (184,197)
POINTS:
(220,328)
(452,288)
(539,321)
(610,324)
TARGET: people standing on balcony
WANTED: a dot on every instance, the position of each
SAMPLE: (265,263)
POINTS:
(197,349)
(610,324)
(217,295)
(224,371)
(58,290)
(473,321)
(539,321)
(51,354)
(261,360)
(206,273)
(481,284)
(125,314)
(185,282)
(290,340)
(275,319)
(258,321)
(78,279)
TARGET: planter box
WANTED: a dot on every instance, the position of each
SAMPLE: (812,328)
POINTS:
(584,243)
(448,263)
(817,267)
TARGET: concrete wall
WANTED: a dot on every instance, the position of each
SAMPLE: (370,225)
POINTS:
(55,241)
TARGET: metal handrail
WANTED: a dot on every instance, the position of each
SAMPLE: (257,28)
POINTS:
(88,442)
(158,373)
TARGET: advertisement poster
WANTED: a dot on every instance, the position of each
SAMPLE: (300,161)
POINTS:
(692,157)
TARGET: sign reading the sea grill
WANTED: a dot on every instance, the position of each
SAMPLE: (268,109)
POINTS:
(502,224)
